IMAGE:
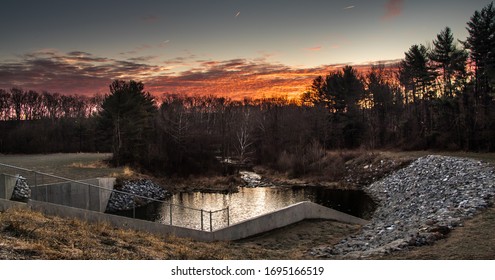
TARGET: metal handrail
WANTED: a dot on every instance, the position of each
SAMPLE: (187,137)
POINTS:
(122,192)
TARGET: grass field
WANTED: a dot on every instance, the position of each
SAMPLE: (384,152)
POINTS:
(72,166)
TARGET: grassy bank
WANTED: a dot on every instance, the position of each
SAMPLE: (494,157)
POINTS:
(25,234)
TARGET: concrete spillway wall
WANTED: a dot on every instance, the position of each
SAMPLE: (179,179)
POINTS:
(283,217)
(91,194)
(7,204)
(7,184)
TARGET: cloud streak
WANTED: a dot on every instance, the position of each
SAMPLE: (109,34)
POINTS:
(83,73)
(149,18)
(393,8)
(73,73)
(314,49)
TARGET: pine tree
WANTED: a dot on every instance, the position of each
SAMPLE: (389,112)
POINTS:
(127,115)
(450,60)
(416,74)
(481,44)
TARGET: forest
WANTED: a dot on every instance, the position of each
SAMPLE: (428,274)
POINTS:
(440,96)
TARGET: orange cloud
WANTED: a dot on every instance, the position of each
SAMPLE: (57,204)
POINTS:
(83,73)
(314,49)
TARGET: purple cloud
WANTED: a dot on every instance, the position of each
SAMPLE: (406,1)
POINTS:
(83,73)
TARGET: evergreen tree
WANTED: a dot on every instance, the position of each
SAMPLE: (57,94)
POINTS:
(127,115)
(450,60)
(415,73)
(340,92)
(481,44)
(417,77)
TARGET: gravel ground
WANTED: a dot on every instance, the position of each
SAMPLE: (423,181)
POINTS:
(419,205)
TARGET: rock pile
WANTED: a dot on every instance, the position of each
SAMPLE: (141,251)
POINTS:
(419,205)
(253,180)
(126,201)
(21,189)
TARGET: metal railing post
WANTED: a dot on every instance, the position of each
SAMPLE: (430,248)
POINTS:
(32,188)
(88,203)
(202,227)
(211,222)
(170,211)
(46,193)
(134,207)
(228,216)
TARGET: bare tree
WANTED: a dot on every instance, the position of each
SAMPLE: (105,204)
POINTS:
(244,136)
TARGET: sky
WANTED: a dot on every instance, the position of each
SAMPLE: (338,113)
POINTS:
(232,48)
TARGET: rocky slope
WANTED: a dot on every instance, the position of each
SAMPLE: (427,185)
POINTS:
(418,205)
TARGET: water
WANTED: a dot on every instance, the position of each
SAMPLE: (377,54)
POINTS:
(249,203)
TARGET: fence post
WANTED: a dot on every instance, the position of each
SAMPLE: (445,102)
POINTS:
(46,193)
(33,188)
(133,206)
(170,211)
(228,216)
(202,227)
(88,204)
(211,222)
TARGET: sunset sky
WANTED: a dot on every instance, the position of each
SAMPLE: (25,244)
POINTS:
(230,48)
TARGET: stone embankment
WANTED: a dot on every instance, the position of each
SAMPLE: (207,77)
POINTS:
(419,204)
(143,188)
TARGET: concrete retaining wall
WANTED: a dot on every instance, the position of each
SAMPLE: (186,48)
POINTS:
(117,221)
(7,204)
(7,184)
(81,194)
(283,217)
(257,225)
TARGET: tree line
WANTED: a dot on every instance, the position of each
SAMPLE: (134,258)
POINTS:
(33,122)
(438,97)
(19,104)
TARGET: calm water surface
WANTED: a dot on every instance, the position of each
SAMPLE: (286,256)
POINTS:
(249,203)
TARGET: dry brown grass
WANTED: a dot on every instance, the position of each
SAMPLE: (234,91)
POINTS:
(25,234)
(31,235)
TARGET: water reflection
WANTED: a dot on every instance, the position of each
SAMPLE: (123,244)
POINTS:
(251,202)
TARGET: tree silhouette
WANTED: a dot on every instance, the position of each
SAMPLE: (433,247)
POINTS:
(127,115)
(450,60)
(481,44)
(415,73)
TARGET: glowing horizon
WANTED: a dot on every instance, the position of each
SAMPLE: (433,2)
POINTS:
(222,48)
